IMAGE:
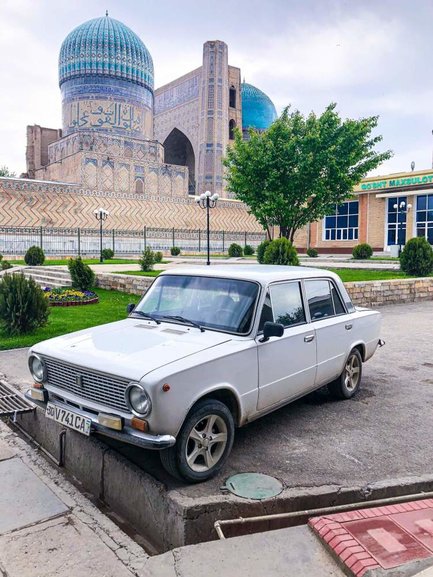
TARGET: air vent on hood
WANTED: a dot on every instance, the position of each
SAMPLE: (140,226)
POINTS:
(173,331)
(145,326)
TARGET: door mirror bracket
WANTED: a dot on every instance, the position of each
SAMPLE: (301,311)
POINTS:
(271,330)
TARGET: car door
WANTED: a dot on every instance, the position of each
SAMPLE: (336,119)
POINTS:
(332,325)
(287,364)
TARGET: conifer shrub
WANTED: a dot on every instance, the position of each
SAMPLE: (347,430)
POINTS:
(312,253)
(281,251)
(417,257)
(261,250)
(83,277)
(248,250)
(175,251)
(362,251)
(147,260)
(107,253)
(235,250)
(23,305)
(35,256)
(158,256)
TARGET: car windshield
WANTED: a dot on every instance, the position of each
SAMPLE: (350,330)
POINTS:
(217,303)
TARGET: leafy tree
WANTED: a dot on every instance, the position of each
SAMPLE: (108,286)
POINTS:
(4,171)
(297,170)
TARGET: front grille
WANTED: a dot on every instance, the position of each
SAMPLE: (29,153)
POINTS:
(97,387)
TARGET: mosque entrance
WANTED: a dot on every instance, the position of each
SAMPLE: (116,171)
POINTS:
(178,150)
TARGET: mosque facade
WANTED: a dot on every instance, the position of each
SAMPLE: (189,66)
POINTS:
(143,154)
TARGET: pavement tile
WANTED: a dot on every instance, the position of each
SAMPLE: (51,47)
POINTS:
(24,498)
(62,547)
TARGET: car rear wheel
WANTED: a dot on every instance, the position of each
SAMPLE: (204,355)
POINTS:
(203,444)
(348,383)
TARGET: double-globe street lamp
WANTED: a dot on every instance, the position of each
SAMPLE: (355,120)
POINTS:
(207,200)
(401,209)
(101,215)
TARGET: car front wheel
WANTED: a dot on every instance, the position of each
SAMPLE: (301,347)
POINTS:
(203,444)
(348,383)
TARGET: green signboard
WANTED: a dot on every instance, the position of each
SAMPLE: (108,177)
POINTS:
(397,182)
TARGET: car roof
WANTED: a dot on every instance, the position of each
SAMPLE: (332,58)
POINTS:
(261,273)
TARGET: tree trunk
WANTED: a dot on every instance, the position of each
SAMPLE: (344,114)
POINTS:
(284,231)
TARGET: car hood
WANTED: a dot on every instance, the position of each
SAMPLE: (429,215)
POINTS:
(130,348)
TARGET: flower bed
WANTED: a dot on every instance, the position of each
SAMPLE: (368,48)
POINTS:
(67,297)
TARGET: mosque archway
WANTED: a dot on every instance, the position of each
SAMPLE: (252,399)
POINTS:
(179,150)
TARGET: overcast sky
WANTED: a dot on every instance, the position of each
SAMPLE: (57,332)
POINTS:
(372,57)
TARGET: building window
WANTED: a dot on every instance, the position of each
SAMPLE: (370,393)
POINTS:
(343,223)
(396,227)
(139,186)
(232,97)
(232,126)
(424,216)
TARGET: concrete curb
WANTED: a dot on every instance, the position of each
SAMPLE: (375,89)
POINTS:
(168,519)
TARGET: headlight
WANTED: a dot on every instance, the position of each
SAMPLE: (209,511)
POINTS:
(138,400)
(37,368)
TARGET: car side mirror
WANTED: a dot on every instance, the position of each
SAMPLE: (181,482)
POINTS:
(130,308)
(272,330)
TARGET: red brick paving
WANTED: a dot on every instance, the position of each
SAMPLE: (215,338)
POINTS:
(380,537)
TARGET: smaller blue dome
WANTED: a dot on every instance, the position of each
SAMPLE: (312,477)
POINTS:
(258,110)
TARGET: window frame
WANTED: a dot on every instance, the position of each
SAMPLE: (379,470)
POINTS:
(331,283)
(338,230)
(302,294)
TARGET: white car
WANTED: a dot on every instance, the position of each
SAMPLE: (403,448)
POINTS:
(206,350)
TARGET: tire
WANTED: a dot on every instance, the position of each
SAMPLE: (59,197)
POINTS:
(348,383)
(197,456)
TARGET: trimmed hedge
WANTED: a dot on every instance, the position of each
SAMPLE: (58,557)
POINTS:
(35,256)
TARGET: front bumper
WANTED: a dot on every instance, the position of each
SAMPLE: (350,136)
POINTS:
(127,435)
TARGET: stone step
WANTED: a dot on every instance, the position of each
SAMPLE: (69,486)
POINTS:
(48,273)
(43,280)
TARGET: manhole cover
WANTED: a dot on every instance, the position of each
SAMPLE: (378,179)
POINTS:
(253,486)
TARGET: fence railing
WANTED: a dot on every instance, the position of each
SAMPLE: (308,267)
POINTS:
(86,241)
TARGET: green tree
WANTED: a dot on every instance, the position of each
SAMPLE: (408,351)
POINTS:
(297,170)
(4,171)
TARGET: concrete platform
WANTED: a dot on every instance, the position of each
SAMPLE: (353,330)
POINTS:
(324,452)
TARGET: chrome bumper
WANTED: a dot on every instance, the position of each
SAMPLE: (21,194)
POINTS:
(127,435)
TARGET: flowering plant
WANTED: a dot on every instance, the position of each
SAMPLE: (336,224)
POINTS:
(68,296)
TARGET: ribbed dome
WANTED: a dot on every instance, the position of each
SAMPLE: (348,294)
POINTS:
(258,110)
(105,47)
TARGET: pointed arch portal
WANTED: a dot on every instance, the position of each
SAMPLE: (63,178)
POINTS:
(179,150)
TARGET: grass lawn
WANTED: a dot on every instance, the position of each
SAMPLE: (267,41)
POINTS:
(354,274)
(55,262)
(139,272)
(62,320)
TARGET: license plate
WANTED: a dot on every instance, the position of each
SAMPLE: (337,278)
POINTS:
(68,418)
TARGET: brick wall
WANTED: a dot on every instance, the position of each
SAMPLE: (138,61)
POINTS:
(368,293)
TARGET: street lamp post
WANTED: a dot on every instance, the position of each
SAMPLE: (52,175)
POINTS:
(101,215)
(207,200)
(401,209)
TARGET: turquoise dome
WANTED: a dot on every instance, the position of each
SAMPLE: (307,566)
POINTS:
(105,47)
(258,110)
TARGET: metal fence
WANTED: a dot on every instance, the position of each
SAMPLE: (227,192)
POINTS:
(86,241)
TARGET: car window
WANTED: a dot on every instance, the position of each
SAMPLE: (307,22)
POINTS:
(287,304)
(319,299)
(219,303)
(267,314)
(338,305)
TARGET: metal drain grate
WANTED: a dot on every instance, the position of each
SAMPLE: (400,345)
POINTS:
(12,402)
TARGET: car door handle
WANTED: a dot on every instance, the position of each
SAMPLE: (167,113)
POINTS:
(348,327)
(308,338)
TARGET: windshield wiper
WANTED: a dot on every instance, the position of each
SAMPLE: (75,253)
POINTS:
(183,320)
(146,316)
